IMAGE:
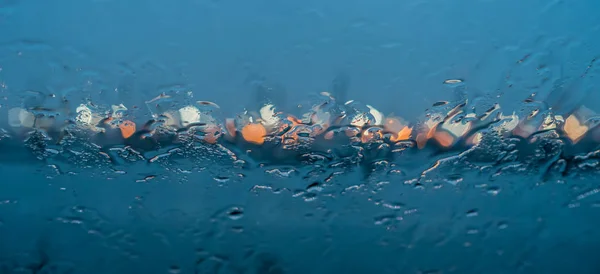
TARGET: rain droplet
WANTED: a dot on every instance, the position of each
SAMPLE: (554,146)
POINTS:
(207,103)
(472,213)
(394,206)
(453,81)
(440,103)
(410,211)
(174,269)
(158,157)
(408,182)
(382,220)
(314,187)
(573,205)
(493,190)
(309,197)
(454,179)
(221,179)
(298,193)
(502,225)
(52,151)
(472,231)
(280,172)
(588,193)
(235,213)
(146,179)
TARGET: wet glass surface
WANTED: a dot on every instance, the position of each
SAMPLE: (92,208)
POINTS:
(299,137)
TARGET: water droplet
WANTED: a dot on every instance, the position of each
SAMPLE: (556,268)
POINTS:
(411,181)
(440,103)
(502,225)
(221,179)
(314,187)
(298,193)
(573,205)
(394,206)
(453,81)
(410,211)
(159,157)
(588,193)
(146,179)
(207,103)
(309,197)
(493,190)
(239,163)
(383,220)
(472,231)
(472,213)
(281,172)
(174,269)
(52,151)
(235,213)
(454,179)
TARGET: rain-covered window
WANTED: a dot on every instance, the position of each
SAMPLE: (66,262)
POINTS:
(263,136)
